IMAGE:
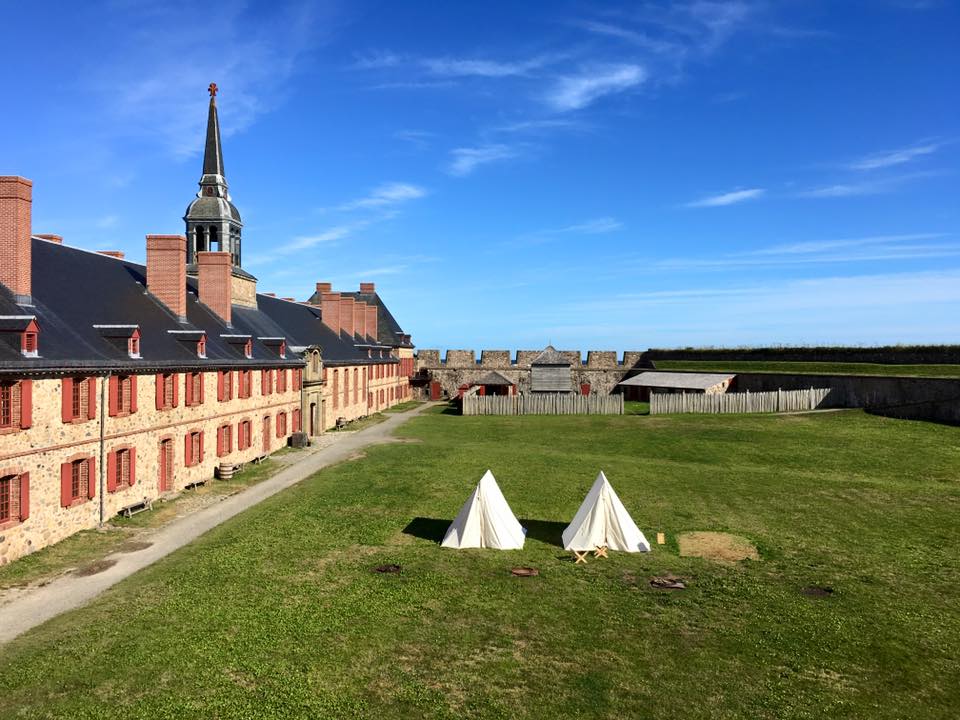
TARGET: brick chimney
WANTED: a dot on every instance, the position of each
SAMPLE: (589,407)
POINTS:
(372,322)
(360,318)
(167,272)
(324,287)
(330,310)
(118,254)
(50,237)
(346,314)
(16,196)
(214,280)
(368,288)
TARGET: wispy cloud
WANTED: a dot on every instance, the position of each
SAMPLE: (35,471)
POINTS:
(467,67)
(393,193)
(894,157)
(819,246)
(575,92)
(537,125)
(330,235)
(464,160)
(728,198)
(866,187)
(107,221)
(637,38)
(596,226)
(153,78)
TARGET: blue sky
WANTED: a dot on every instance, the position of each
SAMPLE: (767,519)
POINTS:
(513,174)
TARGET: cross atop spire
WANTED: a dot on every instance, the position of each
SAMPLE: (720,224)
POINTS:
(213,89)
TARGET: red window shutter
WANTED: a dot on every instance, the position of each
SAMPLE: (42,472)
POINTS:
(91,478)
(188,389)
(65,484)
(187,450)
(176,389)
(112,396)
(200,459)
(200,401)
(133,393)
(112,471)
(66,402)
(263,382)
(133,466)
(220,386)
(26,403)
(24,496)
(159,391)
(91,398)
(220,442)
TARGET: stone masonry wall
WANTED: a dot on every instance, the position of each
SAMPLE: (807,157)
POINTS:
(41,449)
(602,370)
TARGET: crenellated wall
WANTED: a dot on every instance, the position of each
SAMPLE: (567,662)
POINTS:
(601,371)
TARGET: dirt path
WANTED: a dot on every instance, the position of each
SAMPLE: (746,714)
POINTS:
(72,591)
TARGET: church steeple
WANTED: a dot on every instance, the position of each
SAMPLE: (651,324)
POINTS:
(213,222)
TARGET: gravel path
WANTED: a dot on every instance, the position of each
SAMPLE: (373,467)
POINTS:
(72,591)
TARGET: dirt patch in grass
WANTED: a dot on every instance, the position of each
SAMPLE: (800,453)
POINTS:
(717,546)
(817,591)
(134,546)
(95,567)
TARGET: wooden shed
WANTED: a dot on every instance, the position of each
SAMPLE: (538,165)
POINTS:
(493,383)
(550,372)
(640,386)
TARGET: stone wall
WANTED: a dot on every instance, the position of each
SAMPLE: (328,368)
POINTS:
(887,355)
(602,369)
(49,442)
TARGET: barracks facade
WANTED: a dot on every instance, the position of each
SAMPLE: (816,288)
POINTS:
(122,382)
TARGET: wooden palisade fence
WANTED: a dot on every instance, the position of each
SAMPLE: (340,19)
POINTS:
(543,404)
(745,402)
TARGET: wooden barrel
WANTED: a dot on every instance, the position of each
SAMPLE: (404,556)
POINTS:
(225,471)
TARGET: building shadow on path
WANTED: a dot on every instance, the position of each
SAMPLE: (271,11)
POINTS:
(433,529)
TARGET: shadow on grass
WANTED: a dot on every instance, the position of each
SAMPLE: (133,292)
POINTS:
(433,529)
(451,410)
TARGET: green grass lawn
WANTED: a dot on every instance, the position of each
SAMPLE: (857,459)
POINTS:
(277,613)
(813,368)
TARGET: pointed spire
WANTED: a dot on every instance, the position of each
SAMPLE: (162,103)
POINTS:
(213,153)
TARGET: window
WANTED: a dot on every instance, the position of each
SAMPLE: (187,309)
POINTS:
(121,471)
(297,379)
(193,448)
(346,387)
(356,385)
(336,393)
(281,380)
(281,425)
(14,498)
(123,394)
(266,381)
(248,349)
(202,347)
(30,344)
(244,383)
(225,385)
(133,345)
(224,440)
(167,391)
(194,388)
(244,435)
(16,411)
(77,481)
(6,404)
(296,421)
(283,349)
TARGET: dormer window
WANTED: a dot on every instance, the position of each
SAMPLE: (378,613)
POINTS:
(194,341)
(278,343)
(248,349)
(240,344)
(21,332)
(202,347)
(123,338)
(283,349)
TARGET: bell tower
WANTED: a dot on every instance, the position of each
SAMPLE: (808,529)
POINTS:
(213,222)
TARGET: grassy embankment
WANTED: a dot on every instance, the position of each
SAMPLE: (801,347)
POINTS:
(277,613)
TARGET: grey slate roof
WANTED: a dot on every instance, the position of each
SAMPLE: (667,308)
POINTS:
(684,381)
(74,290)
(493,378)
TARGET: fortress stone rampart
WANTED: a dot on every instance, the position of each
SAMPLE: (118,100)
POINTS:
(602,369)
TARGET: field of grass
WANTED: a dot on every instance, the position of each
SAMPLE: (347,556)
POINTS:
(278,613)
(812,368)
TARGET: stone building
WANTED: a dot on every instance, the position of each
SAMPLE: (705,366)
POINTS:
(122,382)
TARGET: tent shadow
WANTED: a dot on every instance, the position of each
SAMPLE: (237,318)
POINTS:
(432,529)
(546,531)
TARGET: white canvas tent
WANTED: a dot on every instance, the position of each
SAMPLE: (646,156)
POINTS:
(485,520)
(603,521)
